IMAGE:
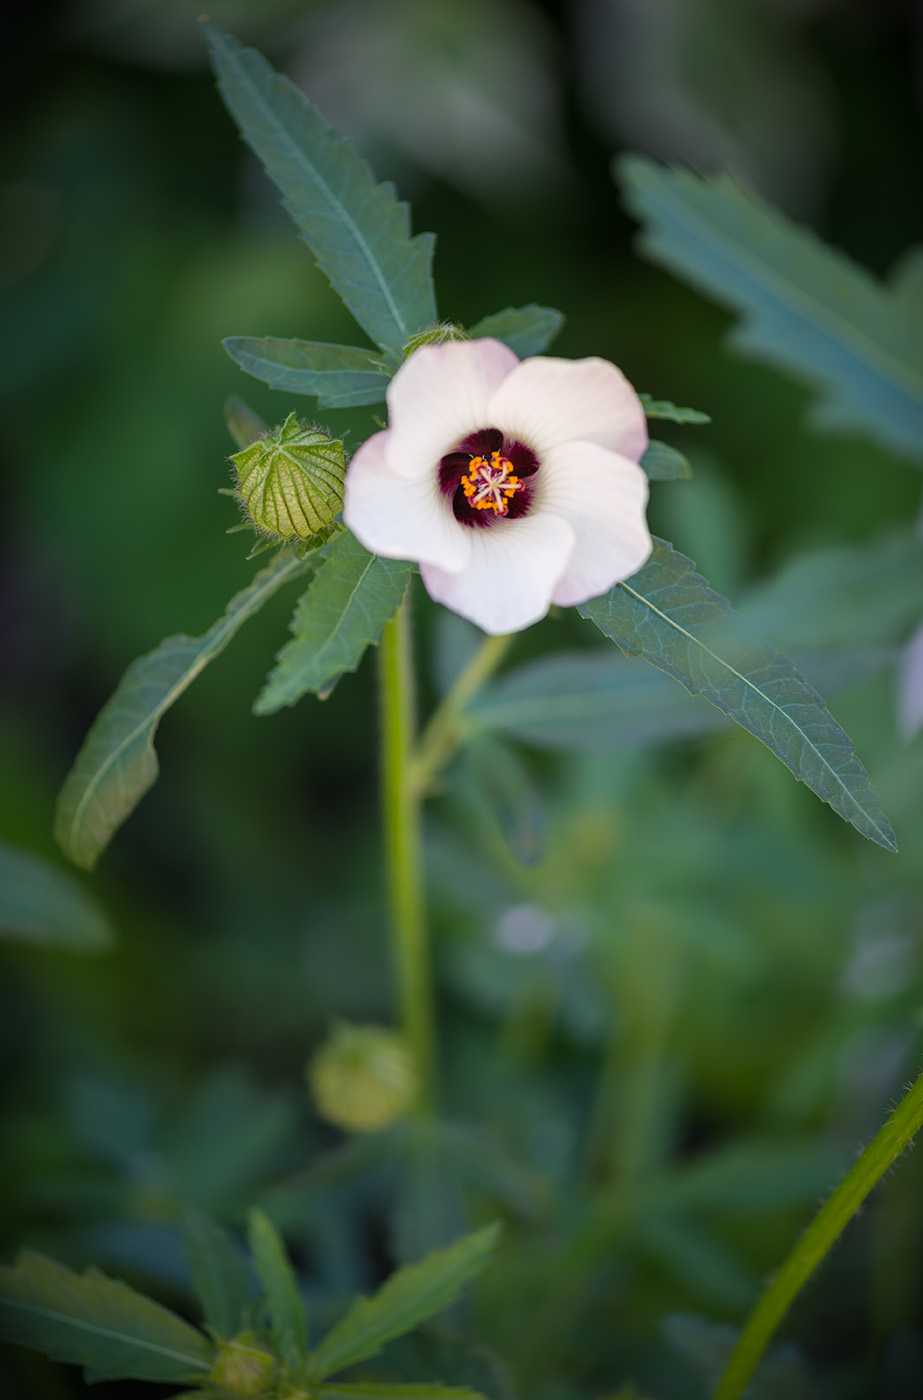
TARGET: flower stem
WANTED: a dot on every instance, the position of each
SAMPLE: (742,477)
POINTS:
(401,801)
(444,732)
(900,1128)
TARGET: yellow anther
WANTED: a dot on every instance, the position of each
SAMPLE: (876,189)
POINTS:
(490,485)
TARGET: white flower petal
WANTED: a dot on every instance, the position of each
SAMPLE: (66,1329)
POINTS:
(401,518)
(603,496)
(508,582)
(439,396)
(547,401)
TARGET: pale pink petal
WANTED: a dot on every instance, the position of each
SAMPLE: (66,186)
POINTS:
(397,517)
(603,496)
(547,401)
(439,396)
(508,582)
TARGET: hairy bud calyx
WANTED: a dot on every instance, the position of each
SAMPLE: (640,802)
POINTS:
(290,482)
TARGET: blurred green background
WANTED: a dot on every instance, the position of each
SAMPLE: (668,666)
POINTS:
(675,1028)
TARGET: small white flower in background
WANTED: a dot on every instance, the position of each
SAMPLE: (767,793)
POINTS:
(514,484)
(910,688)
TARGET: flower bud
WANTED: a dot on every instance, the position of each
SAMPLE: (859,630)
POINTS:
(363,1078)
(242,1367)
(436,334)
(290,482)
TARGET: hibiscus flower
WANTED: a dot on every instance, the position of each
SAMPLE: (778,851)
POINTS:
(513,484)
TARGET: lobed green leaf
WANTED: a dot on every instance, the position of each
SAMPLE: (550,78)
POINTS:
(408,1298)
(117,763)
(357,230)
(219,1274)
(668,614)
(527,330)
(283,1302)
(340,376)
(805,307)
(99,1323)
(344,611)
(42,906)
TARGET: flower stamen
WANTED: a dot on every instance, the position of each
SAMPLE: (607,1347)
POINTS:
(491,485)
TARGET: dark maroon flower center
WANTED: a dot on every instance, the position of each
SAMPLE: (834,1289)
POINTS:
(488,476)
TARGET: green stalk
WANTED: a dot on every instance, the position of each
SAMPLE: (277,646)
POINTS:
(445,731)
(896,1134)
(401,799)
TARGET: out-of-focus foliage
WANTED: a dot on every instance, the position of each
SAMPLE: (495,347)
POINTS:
(664,1038)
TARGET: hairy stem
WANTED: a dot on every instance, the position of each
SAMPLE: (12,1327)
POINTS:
(401,799)
(900,1128)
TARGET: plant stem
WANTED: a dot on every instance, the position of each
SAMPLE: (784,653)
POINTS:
(445,730)
(818,1238)
(401,800)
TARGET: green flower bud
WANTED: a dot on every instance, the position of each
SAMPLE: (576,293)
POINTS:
(437,334)
(290,482)
(363,1079)
(242,1367)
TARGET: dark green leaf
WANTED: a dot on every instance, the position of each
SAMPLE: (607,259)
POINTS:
(356,229)
(97,1322)
(706,1346)
(407,1390)
(42,906)
(585,701)
(527,330)
(866,595)
(219,1274)
(117,763)
(344,611)
(664,463)
(243,424)
(408,1298)
(668,614)
(590,700)
(806,307)
(286,1310)
(339,375)
(505,786)
(662,408)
